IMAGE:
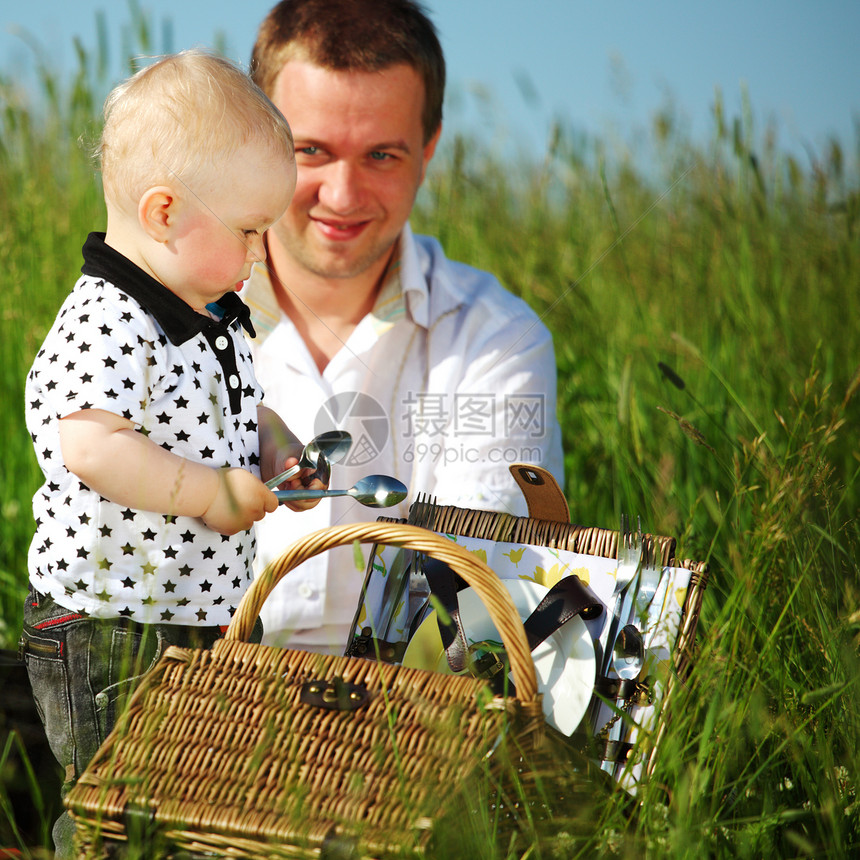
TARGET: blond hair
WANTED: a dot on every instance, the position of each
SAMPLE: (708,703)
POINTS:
(181,116)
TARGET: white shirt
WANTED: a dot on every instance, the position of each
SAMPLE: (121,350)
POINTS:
(124,343)
(448,381)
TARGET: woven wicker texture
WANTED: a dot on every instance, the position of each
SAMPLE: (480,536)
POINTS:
(219,752)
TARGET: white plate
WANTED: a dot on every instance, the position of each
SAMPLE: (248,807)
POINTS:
(565,663)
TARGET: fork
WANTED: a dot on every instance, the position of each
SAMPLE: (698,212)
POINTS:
(629,556)
(649,580)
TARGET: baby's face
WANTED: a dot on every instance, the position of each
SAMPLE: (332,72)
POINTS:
(219,226)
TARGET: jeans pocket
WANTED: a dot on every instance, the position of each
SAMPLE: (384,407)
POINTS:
(131,653)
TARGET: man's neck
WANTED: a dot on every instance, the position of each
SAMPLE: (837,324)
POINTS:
(325,311)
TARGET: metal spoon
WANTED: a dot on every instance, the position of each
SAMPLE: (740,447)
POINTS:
(628,653)
(331,445)
(374,491)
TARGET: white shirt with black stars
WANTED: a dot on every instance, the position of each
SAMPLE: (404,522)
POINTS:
(124,343)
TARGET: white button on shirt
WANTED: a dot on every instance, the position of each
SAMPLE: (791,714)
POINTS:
(445,383)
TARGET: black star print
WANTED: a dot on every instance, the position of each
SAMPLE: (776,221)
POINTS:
(208,552)
(170,552)
(207,453)
(125,613)
(128,582)
(187,537)
(169,587)
(201,615)
(128,514)
(206,585)
(167,615)
(181,403)
(185,570)
(149,534)
(202,418)
(105,531)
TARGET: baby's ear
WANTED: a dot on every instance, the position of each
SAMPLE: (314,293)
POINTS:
(157,212)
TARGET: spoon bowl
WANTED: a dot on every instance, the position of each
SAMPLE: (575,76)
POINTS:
(628,653)
(372,491)
(328,447)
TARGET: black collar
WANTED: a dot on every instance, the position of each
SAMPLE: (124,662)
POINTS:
(179,321)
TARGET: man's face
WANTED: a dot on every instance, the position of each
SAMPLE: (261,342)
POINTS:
(361,157)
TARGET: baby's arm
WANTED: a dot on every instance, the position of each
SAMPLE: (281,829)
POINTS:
(115,460)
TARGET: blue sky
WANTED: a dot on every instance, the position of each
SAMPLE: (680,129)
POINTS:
(605,68)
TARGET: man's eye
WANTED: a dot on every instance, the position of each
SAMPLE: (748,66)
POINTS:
(309,150)
(380,156)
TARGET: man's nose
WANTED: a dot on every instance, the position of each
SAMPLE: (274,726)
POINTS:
(340,189)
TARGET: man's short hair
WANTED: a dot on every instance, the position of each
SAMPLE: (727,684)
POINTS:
(179,117)
(350,36)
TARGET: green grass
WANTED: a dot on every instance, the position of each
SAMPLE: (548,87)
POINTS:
(705,320)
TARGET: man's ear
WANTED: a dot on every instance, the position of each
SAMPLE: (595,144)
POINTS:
(157,212)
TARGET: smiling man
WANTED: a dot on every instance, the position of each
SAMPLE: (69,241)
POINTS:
(442,376)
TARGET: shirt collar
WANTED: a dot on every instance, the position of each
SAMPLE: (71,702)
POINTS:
(179,321)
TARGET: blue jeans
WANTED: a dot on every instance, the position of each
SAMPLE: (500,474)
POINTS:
(82,670)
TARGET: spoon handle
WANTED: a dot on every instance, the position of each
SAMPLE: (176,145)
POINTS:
(279,479)
(300,495)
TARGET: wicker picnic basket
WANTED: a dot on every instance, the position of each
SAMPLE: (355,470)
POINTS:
(257,752)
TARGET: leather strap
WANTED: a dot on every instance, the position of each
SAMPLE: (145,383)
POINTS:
(544,497)
(568,597)
(443,586)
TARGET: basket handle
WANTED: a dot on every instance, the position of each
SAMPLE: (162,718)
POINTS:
(498,601)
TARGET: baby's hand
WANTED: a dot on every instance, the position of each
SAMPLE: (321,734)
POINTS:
(241,500)
(301,482)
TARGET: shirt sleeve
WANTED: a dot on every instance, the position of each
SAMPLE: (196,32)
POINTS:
(503,412)
(101,354)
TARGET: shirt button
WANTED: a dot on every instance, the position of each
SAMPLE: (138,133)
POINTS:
(305,591)
(221,342)
(101,700)
(233,381)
